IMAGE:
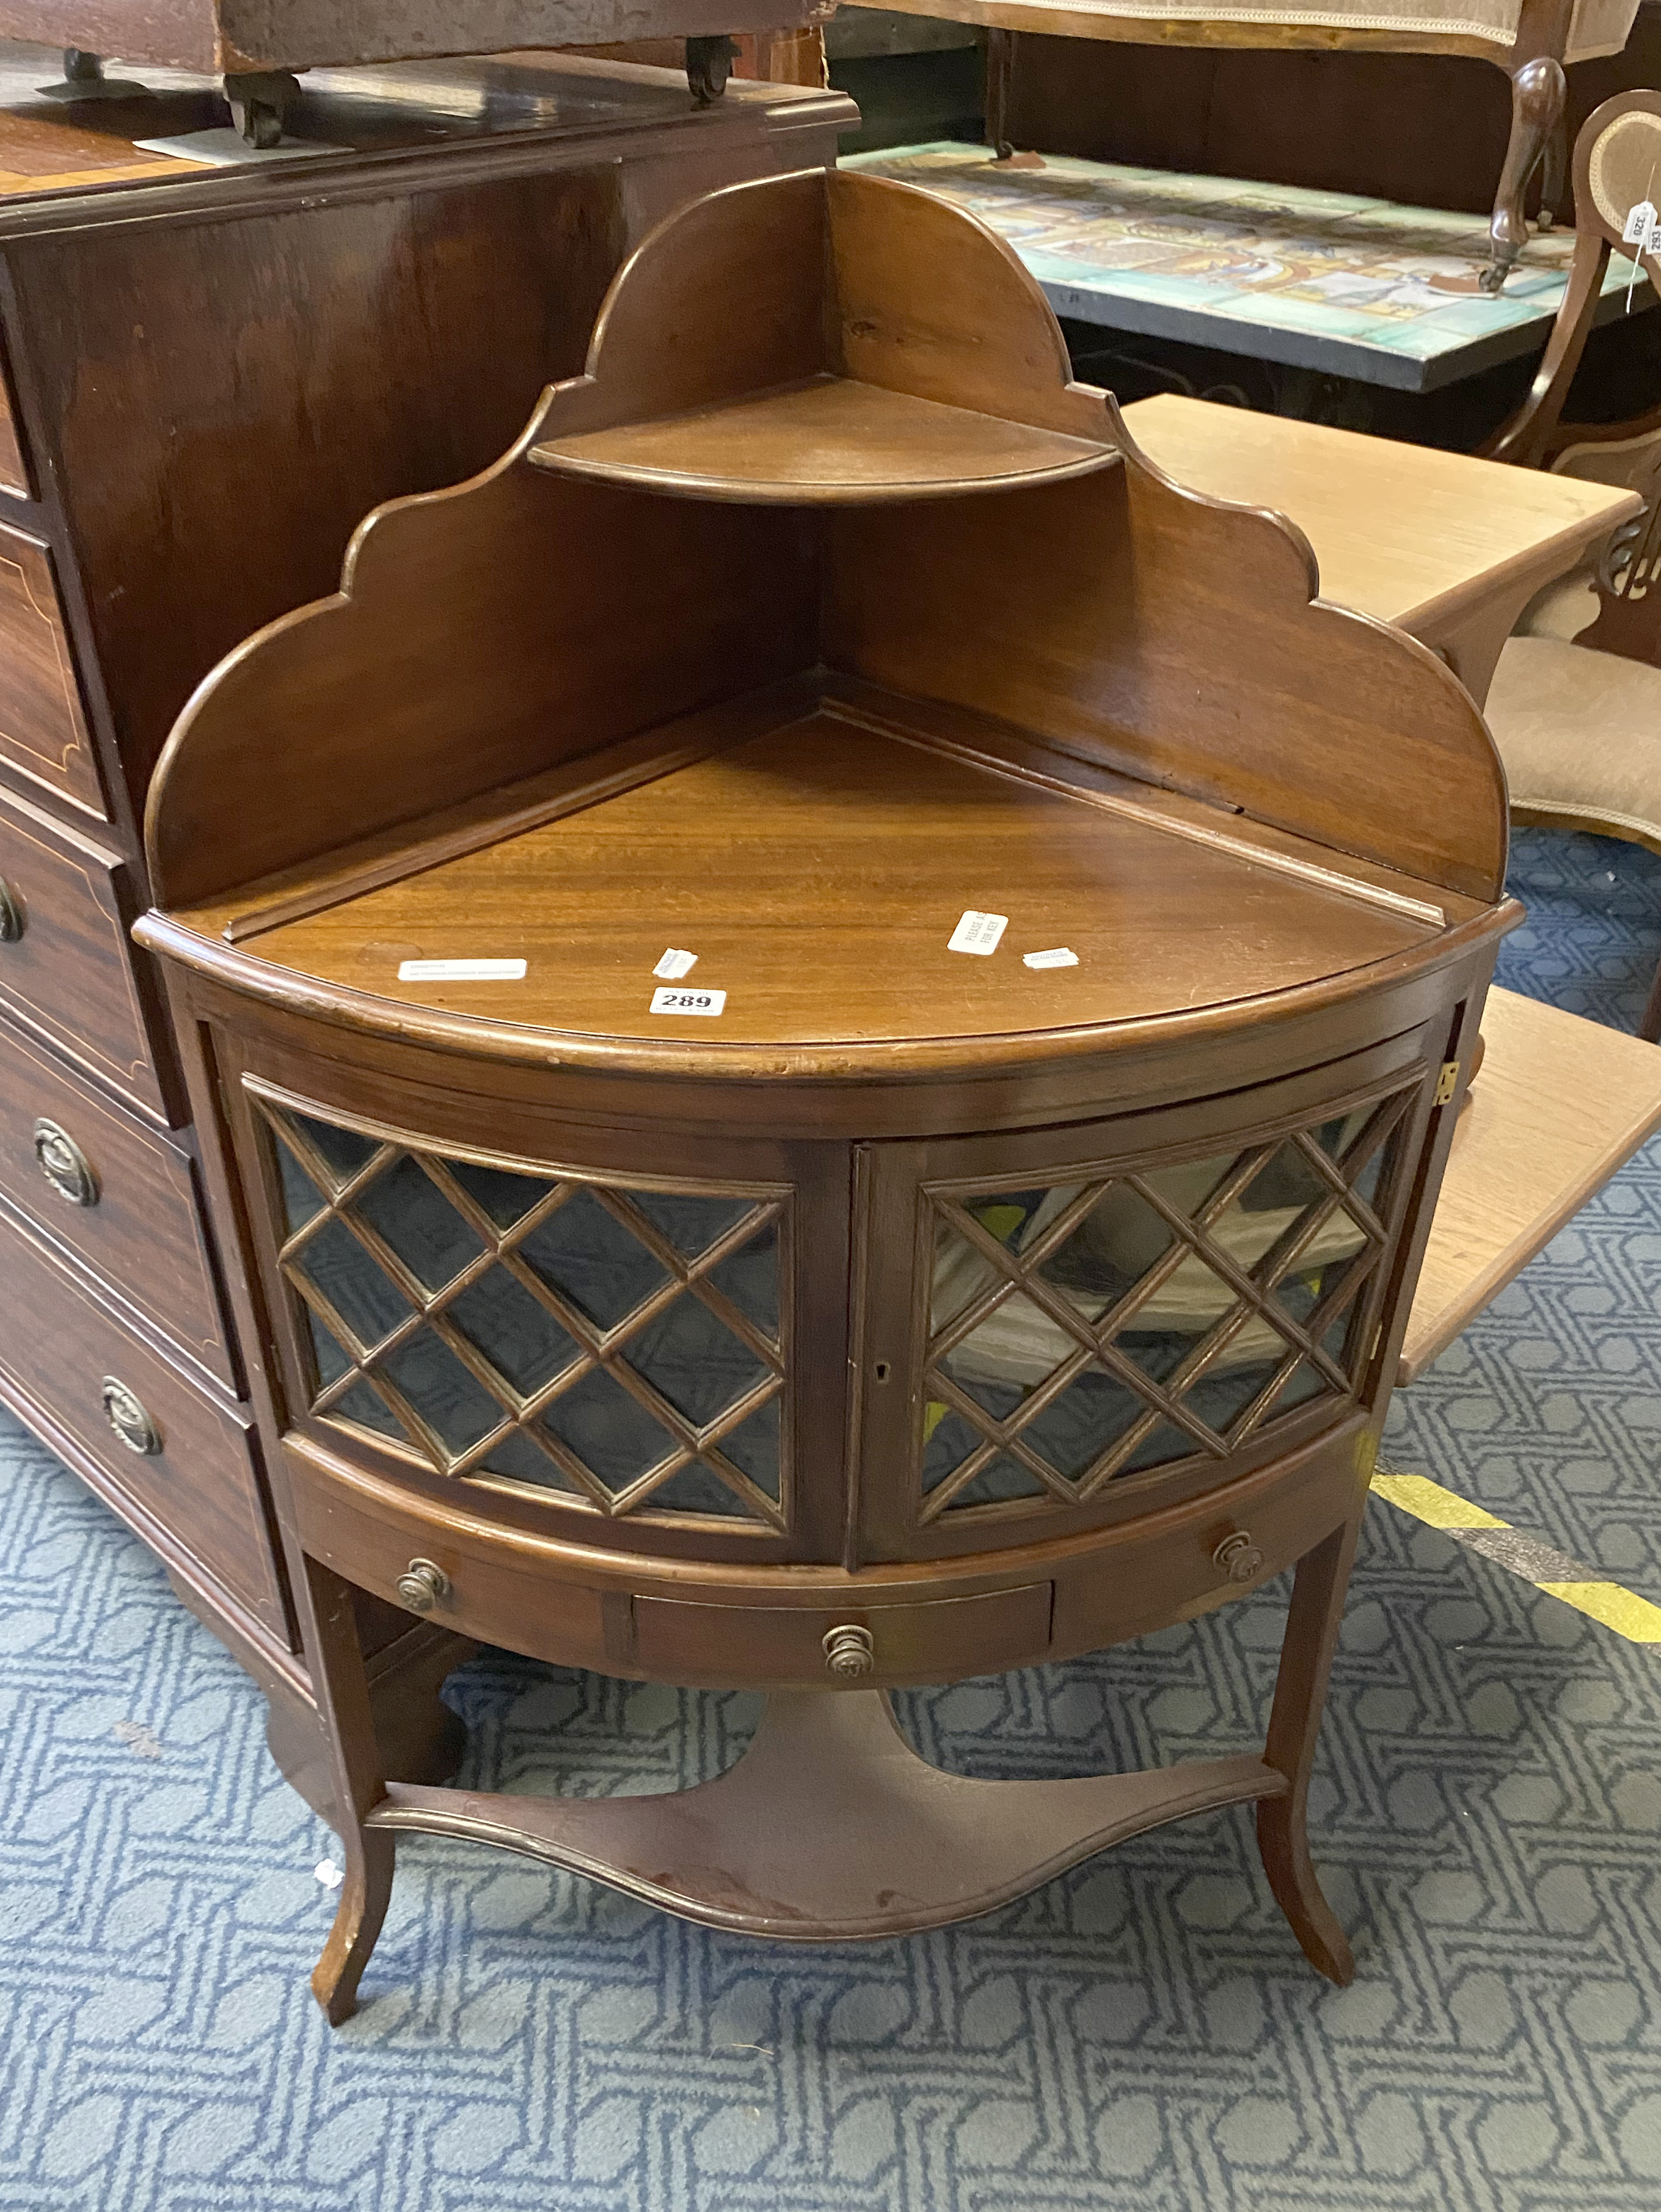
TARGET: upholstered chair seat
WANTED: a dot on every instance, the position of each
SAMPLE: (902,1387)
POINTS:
(1579,733)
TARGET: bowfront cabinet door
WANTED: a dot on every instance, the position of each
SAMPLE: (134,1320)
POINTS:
(560,1328)
(1068,1326)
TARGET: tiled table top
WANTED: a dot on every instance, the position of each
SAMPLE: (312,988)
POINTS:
(1327,281)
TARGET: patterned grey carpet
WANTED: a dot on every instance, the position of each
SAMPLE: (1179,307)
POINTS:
(1142,2036)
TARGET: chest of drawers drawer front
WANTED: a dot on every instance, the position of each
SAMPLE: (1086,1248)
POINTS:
(66,962)
(43,725)
(117,1193)
(158,1442)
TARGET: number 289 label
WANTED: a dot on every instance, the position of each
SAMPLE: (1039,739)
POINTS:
(668,1001)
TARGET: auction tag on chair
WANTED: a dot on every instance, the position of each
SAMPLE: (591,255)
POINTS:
(1642,224)
(461,971)
(978,932)
(675,964)
(666,1001)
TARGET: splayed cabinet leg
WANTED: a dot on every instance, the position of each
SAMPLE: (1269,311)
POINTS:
(1311,1638)
(341,1685)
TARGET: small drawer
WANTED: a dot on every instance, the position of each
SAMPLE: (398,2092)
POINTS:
(66,965)
(504,1585)
(116,1191)
(497,1585)
(158,1443)
(43,724)
(1221,1544)
(854,1646)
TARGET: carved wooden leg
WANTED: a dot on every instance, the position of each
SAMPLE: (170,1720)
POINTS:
(1554,183)
(341,1683)
(1538,89)
(1312,1636)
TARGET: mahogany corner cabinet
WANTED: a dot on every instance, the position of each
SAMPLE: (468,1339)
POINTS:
(831,1013)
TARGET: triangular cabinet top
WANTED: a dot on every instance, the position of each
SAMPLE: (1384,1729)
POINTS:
(717,659)
(830,337)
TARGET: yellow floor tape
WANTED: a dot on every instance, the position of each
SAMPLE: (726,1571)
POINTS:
(1623,1610)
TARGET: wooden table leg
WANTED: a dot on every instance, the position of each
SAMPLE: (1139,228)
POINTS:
(999,63)
(1294,1725)
(1554,178)
(1538,90)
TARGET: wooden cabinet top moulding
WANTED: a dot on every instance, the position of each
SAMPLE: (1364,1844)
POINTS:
(824,609)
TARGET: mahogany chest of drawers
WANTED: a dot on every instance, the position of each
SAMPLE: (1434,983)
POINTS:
(210,375)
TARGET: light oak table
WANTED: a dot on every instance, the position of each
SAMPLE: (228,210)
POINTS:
(1559,1105)
(1448,548)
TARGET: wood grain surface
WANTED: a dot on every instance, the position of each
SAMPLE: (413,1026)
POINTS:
(43,725)
(873,308)
(302,34)
(830,439)
(144,1233)
(70,974)
(1559,1105)
(61,1347)
(818,873)
(1414,536)
(1186,651)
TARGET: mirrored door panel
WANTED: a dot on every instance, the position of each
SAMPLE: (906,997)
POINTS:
(1077,1317)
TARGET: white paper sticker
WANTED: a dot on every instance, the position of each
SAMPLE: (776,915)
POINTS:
(1057,956)
(328,1874)
(978,932)
(688,1002)
(461,971)
(675,965)
(1640,225)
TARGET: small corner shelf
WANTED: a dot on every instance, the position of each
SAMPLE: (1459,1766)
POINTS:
(829,441)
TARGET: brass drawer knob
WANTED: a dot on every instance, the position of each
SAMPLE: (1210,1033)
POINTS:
(848,1651)
(125,1413)
(421,1585)
(11,914)
(63,1164)
(1238,1558)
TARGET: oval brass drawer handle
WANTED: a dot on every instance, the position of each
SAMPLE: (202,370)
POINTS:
(849,1650)
(421,1585)
(63,1163)
(125,1412)
(12,917)
(1238,1558)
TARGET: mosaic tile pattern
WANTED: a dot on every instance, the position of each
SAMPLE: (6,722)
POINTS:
(1350,285)
(1140,2036)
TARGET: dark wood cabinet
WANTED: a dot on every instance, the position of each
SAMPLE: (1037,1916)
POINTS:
(830,1014)
(210,375)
